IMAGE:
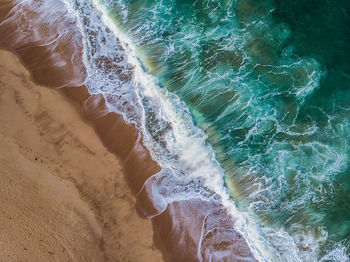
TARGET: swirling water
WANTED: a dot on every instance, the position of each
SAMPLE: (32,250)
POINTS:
(263,83)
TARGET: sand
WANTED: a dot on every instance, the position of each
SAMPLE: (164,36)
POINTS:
(64,196)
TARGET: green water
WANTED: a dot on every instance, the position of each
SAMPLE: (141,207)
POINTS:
(269,83)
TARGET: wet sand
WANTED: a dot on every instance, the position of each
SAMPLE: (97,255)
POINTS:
(63,195)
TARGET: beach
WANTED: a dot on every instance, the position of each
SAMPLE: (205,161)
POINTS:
(169,130)
(64,196)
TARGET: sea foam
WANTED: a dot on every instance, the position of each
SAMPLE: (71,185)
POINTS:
(189,168)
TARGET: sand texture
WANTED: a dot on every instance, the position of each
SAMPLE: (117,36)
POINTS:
(63,195)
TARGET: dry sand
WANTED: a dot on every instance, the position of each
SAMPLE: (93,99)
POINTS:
(63,195)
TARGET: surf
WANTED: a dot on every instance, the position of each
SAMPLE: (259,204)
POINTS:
(235,71)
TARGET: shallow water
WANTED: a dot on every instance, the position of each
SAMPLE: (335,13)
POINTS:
(267,82)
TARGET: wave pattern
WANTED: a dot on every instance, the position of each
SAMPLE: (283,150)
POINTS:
(190,171)
(275,118)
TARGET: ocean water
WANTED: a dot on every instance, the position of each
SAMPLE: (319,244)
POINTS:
(245,102)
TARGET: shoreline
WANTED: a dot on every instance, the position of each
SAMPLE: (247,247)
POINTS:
(176,235)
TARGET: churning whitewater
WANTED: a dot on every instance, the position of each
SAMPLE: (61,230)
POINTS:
(235,109)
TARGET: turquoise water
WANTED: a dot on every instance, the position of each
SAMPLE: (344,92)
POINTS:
(268,82)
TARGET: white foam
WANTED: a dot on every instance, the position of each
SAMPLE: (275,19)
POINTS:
(189,167)
(337,254)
